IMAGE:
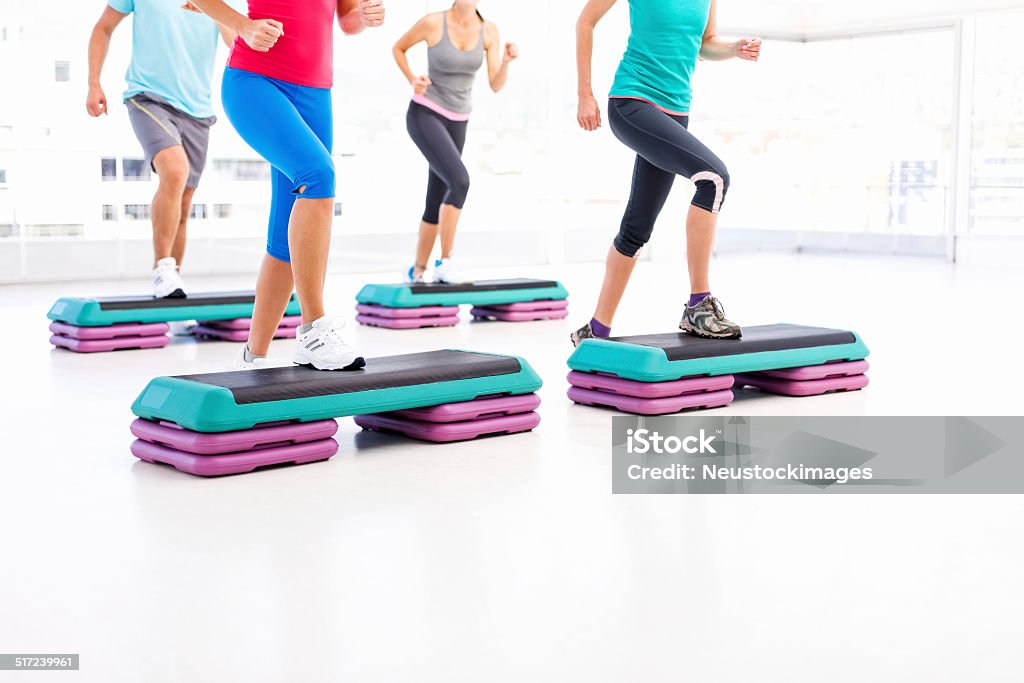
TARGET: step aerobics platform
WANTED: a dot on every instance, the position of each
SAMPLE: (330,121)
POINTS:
(411,306)
(89,325)
(665,373)
(230,422)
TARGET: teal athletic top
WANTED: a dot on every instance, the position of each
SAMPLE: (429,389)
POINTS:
(664,43)
(173,53)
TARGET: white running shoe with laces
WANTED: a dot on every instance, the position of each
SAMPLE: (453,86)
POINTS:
(447,271)
(241,362)
(323,348)
(167,282)
(413,279)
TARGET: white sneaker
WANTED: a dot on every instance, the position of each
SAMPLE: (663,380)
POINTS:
(167,282)
(447,272)
(182,328)
(412,278)
(324,349)
(240,362)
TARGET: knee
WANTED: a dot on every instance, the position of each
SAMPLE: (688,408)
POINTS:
(173,173)
(316,179)
(712,186)
(458,190)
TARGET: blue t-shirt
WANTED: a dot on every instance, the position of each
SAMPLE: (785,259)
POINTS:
(173,52)
(664,43)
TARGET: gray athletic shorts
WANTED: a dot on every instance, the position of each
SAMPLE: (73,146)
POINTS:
(158,126)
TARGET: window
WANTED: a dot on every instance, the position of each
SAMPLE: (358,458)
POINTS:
(3,176)
(222,211)
(137,212)
(860,142)
(109,212)
(997,164)
(108,169)
(198,212)
(62,71)
(337,208)
(242,169)
(55,230)
(135,169)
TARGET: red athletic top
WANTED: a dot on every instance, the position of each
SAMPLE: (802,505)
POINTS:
(304,55)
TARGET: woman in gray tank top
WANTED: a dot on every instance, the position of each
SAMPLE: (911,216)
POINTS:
(458,41)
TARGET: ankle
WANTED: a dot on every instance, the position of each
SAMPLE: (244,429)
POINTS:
(696,298)
(600,329)
(249,356)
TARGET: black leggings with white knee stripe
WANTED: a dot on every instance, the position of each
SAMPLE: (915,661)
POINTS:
(664,149)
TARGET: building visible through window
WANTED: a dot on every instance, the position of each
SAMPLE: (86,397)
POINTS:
(62,71)
(337,208)
(109,212)
(222,211)
(136,212)
(243,169)
(3,176)
(198,211)
(135,169)
(108,169)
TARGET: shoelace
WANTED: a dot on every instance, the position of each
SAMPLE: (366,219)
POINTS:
(333,329)
(716,307)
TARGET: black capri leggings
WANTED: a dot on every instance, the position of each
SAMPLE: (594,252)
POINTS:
(441,141)
(664,149)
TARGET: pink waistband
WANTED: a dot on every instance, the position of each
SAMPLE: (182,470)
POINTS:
(434,106)
(658,107)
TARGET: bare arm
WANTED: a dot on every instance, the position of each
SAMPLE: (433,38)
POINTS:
(716,49)
(99,46)
(259,34)
(226,34)
(498,58)
(588,113)
(356,15)
(419,33)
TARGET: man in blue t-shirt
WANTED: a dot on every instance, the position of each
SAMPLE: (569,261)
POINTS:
(170,106)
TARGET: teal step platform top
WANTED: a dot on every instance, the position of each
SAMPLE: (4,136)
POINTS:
(480,293)
(103,311)
(668,357)
(227,401)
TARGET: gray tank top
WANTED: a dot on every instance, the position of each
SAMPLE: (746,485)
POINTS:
(452,72)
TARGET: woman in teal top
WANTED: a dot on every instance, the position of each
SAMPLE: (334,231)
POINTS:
(648,110)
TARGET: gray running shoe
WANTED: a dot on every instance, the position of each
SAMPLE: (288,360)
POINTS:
(707,319)
(583,333)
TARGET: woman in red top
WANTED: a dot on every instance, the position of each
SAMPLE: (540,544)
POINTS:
(277,94)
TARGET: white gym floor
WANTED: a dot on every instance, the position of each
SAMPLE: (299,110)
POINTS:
(509,559)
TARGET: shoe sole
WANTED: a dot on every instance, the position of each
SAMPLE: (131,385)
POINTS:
(358,364)
(176,294)
(706,335)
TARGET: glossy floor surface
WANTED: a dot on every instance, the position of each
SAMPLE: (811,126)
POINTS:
(508,559)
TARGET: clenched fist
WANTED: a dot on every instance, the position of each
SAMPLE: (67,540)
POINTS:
(262,34)
(511,52)
(420,84)
(371,13)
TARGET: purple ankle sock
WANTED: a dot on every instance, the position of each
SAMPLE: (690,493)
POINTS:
(697,298)
(599,329)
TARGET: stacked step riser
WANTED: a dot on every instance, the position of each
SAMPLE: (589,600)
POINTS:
(459,421)
(216,454)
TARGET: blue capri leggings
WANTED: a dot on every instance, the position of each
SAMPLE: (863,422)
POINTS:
(292,127)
